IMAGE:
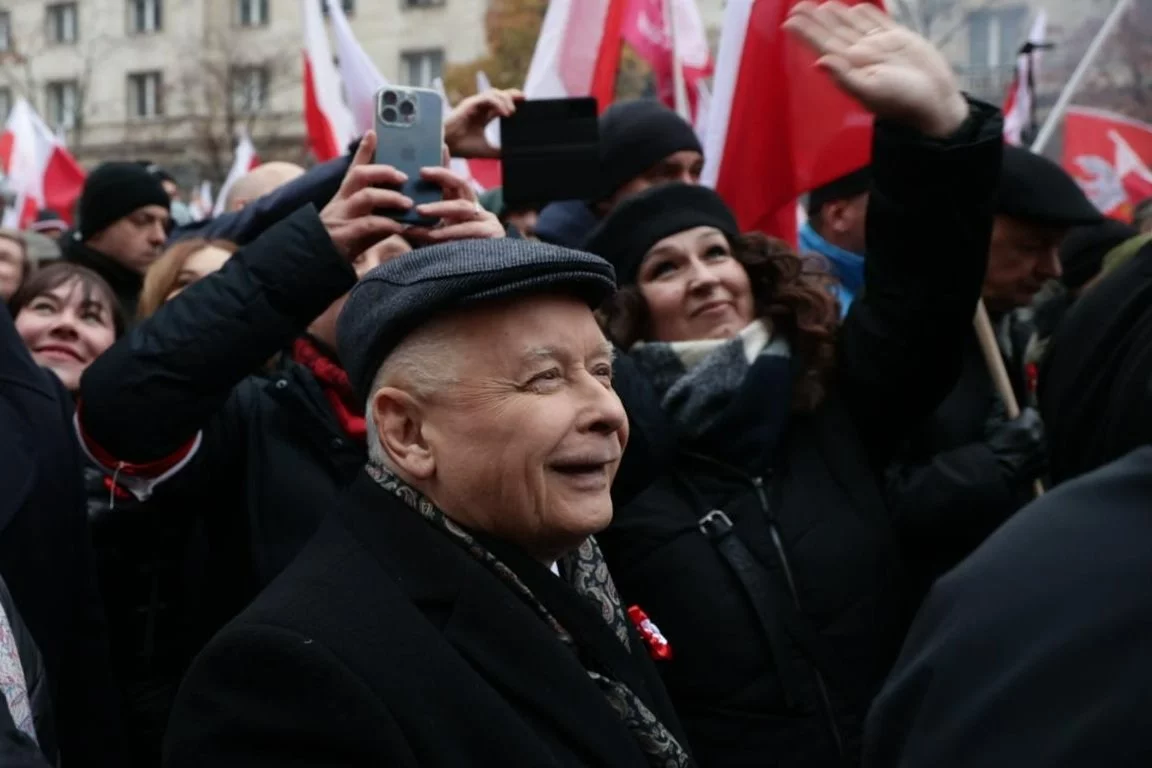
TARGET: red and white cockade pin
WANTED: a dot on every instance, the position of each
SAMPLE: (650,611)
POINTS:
(658,645)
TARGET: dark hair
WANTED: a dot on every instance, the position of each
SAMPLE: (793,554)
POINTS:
(50,278)
(791,292)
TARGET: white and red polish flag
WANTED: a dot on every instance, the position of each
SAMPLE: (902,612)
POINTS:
(41,172)
(487,172)
(578,51)
(778,126)
(1020,103)
(329,121)
(361,77)
(244,159)
(669,35)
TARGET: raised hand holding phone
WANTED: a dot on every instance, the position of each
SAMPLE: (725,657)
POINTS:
(460,215)
(410,136)
(352,217)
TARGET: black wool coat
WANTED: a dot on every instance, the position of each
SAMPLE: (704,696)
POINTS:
(385,643)
(46,553)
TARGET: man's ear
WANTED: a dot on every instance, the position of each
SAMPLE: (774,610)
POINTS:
(399,426)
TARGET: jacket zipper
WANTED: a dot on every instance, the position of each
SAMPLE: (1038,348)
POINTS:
(821,685)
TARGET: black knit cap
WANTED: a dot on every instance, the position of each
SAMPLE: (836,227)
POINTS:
(400,295)
(1083,250)
(636,135)
(641,221)
(113,191)
(1034,188)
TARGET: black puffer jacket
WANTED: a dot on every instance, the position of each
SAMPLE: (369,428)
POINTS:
(813,520)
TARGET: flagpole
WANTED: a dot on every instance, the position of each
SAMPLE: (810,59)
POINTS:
(680,89)
(1073,85)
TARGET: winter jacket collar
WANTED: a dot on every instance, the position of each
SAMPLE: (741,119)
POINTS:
(334,381)
(126,283)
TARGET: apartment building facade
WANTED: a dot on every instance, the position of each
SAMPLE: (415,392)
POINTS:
(171,80)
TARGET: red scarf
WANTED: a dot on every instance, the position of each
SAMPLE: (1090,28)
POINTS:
(336,386)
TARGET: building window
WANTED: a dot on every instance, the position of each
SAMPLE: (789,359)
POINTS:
(420,68)
(145,16)
(994,36)
(349,6)
(5,102)
(5,31)
(63,104)
(62,23)
(145,95)
(252,13)
(249,89)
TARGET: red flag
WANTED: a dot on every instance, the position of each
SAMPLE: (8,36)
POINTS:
(1110,155)
(329,121)
(578,51)
(670,34)
(778,127)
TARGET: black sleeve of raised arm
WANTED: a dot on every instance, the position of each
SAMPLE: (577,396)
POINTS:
(316,187)
(929,226)
(158,386)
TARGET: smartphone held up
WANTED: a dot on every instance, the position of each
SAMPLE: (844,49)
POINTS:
(410,136)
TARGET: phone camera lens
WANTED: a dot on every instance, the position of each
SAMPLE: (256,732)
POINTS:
(389,114)
(390,98)
(407,108)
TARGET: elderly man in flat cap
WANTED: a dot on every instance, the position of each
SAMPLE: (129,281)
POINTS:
(455,609)
(970,467)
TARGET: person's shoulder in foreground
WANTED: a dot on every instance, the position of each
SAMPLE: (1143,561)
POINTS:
(1034,651)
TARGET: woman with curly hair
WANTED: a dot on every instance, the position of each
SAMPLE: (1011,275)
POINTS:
(762,564)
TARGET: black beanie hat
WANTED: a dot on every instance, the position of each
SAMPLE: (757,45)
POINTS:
(1083,250)
(636,135)
(115,190)
(645,219)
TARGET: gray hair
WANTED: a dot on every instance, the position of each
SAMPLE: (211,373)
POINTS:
(421,365)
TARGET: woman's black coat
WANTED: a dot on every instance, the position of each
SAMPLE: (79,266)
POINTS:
(814,520)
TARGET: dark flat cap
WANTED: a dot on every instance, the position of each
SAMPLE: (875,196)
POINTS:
(1034,188)
(846,187)
(399,296)
(645,219)
(1083,250)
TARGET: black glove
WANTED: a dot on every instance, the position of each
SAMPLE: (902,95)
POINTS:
(1018,444)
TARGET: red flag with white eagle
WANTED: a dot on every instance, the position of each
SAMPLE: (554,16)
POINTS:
(778,127)
(1110,155)
(669,35)
(40,171)
(328,119)
(578,51)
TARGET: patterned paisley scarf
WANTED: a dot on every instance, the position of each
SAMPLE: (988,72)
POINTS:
(586,572)
(13,686)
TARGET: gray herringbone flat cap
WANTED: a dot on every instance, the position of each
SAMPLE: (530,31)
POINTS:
(400,295)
